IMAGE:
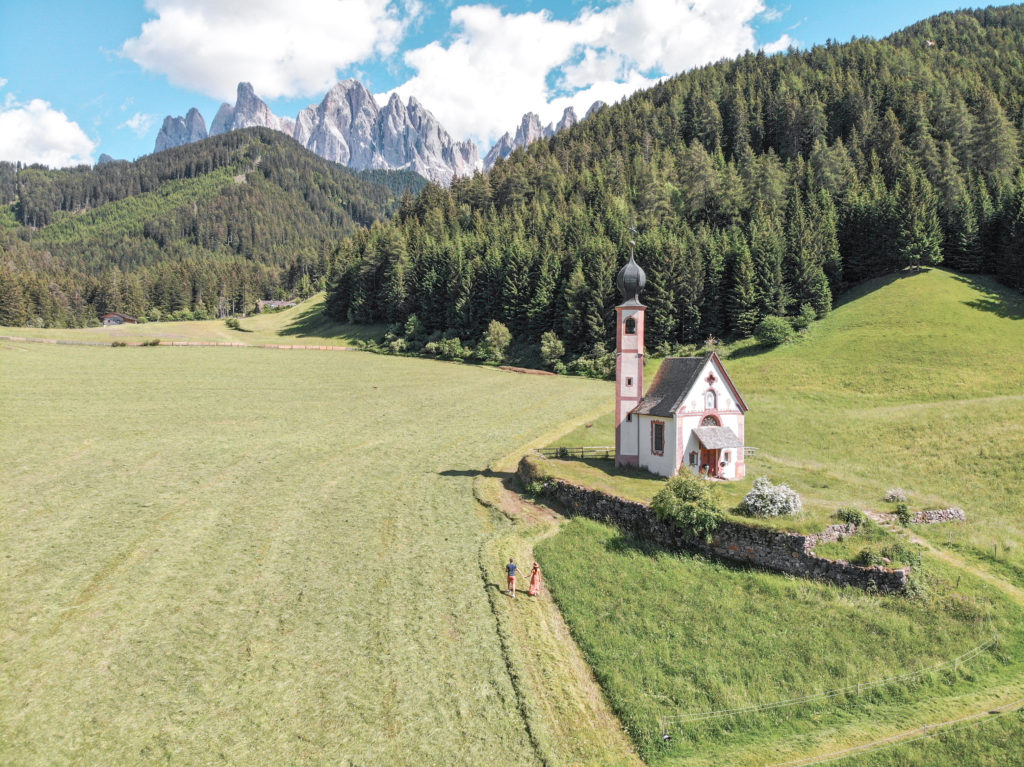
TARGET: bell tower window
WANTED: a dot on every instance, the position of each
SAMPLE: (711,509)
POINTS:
(710,400)
(630,326)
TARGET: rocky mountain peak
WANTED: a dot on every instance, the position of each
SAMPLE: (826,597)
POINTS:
(177,131)
(530,130)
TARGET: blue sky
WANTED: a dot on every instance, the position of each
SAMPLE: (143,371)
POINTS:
(78,79)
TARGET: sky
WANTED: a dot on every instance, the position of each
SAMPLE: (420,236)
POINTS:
(80,79)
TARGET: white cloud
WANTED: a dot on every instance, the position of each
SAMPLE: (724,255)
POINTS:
(779,45)
(498,65)
(36,133)
(283,47)
(139,123)
(3,82)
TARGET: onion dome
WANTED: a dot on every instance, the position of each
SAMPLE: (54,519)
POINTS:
(630,281)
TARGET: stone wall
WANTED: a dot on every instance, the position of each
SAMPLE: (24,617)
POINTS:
(928,517)
(777,550)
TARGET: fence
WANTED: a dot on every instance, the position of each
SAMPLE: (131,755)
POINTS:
(580,453)
(953,664)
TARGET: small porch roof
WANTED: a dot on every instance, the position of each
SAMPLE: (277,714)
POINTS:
(717,437)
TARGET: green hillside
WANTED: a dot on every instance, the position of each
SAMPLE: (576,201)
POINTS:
(914,381)
(765,185)
(200,230)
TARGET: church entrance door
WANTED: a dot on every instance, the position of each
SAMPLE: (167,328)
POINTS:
(710,459)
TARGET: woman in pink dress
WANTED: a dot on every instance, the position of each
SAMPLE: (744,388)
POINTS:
(535,580)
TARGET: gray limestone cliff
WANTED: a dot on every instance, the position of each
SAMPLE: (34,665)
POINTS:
(177,131)
(350,128)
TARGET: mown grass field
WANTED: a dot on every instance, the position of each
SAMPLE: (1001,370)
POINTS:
(916,381)
(248,556)
(302,324)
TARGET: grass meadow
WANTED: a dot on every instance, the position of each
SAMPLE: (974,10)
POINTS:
(248,556)
(915,381)
(302,324)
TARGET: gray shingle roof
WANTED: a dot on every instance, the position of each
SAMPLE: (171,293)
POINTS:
(716,437)
(673,382)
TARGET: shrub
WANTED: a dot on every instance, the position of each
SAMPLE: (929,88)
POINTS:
(119,343)
(232,323)
(903,514)
(768,500)
(804,318)
(551,349)
(536,489)
(772,331)
(494,342)
(690,504)
(896,495)
(151,342)
(868,558)
(851,515)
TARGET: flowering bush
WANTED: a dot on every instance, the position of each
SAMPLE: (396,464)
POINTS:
(768,500)
(690,503)
(896,495)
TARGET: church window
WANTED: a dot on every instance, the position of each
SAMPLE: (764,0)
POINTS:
(710,400)
(693,457)
(629,381)
(710,420)
(725,457)
(658,437)
(630,326)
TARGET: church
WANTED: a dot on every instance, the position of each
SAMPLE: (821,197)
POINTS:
(691,416)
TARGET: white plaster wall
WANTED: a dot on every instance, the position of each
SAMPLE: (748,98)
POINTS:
(693,412)
(662,465)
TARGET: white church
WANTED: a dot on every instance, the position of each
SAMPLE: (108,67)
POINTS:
(691,416)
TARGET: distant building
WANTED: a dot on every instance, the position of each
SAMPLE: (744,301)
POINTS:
(116,318)
(691,416)
(264,305)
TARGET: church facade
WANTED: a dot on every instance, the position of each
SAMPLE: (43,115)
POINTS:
(692,415)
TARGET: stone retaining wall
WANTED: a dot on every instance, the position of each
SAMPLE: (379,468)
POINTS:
(777,550)
(928,517)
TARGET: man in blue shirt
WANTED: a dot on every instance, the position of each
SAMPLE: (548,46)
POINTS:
(512,569)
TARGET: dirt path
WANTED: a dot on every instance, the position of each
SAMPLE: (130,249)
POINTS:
(567,714)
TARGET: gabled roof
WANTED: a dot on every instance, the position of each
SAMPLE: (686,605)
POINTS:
(671,384)
(674,380)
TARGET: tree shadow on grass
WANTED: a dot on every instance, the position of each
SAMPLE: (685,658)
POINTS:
(995,299)
(312,322)
(502,475)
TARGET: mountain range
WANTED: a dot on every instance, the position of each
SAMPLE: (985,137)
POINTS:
(349,127)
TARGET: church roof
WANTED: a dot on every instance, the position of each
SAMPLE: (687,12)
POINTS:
(673,382)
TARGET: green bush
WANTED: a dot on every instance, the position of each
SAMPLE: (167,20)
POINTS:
(690,504)
(772,331)
(151,342)
(903,514)
(119,343)
(232,323)
(804,318)
(551,349)
(851,515)
(494,342)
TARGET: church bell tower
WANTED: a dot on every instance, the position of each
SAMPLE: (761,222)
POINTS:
(629,362)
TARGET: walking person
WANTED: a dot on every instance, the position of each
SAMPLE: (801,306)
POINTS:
(512,570)
(535,580)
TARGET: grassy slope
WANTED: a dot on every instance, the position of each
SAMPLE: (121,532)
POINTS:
(248,556)
(914,381)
